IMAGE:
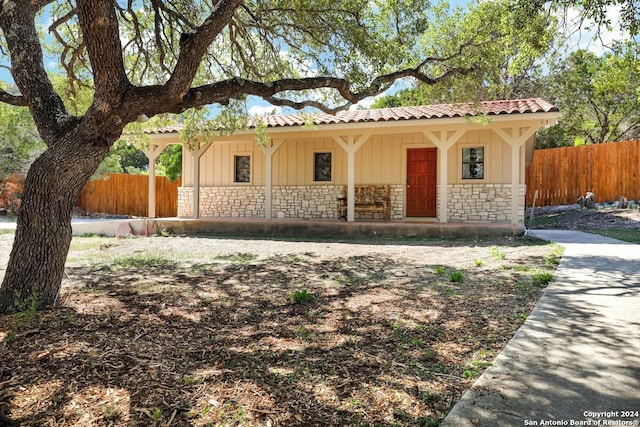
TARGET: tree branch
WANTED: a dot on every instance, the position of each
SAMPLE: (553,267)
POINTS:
(194,46)
(18,101)
(149,103)
(29,74)
(39,4)
(99,23)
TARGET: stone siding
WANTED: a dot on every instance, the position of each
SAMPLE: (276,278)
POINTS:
(466,202)
(223,202)
(306,201)
(301,202)
(482,203)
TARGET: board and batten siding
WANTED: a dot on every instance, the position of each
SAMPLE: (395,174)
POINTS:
(497,160)
(381,160)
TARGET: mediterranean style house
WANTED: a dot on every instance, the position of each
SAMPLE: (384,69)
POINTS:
(446,163)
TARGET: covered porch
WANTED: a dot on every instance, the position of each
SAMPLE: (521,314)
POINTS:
(282,183)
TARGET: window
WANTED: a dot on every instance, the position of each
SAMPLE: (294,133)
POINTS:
(242,169)
(322,166)
(473,163)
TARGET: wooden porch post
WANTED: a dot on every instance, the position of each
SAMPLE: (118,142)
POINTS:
(196,153)
(516,139)
(444,142)
(351,145)
(269,149)
(152,152)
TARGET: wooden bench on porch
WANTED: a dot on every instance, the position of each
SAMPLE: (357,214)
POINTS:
(368,198)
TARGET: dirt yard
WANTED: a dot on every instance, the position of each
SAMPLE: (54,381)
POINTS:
(622,224)
(196,331)
(571,217)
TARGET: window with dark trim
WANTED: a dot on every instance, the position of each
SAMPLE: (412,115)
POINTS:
(473,163)
(242,171)
(322,166)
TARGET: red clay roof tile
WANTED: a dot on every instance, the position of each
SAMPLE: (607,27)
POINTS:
(520,106)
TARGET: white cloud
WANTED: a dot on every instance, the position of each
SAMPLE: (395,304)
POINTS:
(261,110)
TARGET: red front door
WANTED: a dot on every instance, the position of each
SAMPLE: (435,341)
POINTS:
(421,182)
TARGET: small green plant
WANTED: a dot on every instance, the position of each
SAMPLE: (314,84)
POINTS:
(156,415)
(475,367)
(478,262)
(416,342)
(300,297)
(165,232)
(470,373)
(453,293)
(397,325)
(26,311)
(497,253)
(109,413)
(542,278)
(553,259)
(523,268)
(239,415)
(355,402)
(522,317)
(145,261)
(189,380)
(303,332)
(238,258)
(456,277)
(440,269)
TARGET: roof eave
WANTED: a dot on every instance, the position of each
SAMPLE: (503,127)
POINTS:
(546,119)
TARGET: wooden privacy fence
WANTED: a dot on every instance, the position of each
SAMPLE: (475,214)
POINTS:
(561,175)
(125,194)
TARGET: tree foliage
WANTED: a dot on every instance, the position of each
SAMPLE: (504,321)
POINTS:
(170,162)
(19,141)
(590,12)
(507,64)
(599,96)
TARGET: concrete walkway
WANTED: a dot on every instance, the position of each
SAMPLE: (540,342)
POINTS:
(576,359)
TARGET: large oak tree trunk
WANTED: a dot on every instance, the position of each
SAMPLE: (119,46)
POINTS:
(43,234)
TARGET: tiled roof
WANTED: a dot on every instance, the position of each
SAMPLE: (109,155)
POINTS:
(515,106)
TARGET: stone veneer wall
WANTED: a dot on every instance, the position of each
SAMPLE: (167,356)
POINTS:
(302,202)
(306,201)
(482,202)
(397,202)
(466,202)
(223,202)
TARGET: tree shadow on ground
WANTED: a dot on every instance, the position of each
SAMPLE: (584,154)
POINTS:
(576,355)
(377,343)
